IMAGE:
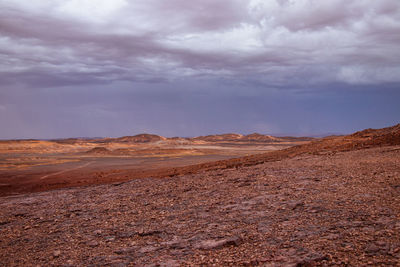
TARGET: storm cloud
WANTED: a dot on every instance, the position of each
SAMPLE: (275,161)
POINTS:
(225,49)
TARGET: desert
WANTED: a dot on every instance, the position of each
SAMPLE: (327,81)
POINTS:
(199,133)
(36,165)
(330,201)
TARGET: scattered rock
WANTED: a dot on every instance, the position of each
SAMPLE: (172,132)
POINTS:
(57,253)
(126,234)
(332,236)
(148,249)
(158,222)
(109,238)
(372,249)
(97,232)
(170,263)
(312,260)
(127,250)
(295,205)
(92,243)
(148,233)
(216,244)
(316,209)
(175,244)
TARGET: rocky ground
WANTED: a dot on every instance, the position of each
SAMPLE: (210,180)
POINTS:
(338,208)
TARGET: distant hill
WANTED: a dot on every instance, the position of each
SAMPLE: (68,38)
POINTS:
(256,137)
(363,139)
(368,138)
(378,137)
(141,138)
(99,150)
(229,137)
(218,137)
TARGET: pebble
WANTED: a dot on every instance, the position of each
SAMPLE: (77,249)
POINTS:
(97,232)
(243,225)
(92,243)
(215,244)
(57,253)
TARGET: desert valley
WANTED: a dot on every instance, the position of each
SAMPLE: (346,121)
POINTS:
(37,165)
(199,133)
(222,200)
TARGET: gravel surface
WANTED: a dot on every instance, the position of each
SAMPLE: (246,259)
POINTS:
(333,209)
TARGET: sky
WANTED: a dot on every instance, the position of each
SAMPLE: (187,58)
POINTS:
(92,68)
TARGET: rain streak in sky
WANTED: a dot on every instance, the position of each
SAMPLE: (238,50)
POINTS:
(72,68)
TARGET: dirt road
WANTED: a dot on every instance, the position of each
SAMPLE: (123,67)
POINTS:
(67,170)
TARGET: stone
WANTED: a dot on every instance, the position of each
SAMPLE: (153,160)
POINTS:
(148,233)
(295,205)
(148,249)
(170,263)
(312,260)
(372,249)
(109,238)
(92,243)
(126,250)
(216,244)
(97,232)
(57,253)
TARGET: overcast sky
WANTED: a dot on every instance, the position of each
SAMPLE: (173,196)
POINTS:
(186,68)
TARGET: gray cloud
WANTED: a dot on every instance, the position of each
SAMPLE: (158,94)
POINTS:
(101,67)
(275,42)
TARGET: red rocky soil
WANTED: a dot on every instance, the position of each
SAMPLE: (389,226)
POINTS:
(325,207)
(334,209)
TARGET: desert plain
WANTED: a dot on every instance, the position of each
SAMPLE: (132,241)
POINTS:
(222,200)
(37,165)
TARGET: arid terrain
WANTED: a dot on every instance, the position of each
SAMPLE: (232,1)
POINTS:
(333,201)
(38,165)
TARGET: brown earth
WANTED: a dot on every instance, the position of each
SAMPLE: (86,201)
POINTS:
(141,138)
(333,202)
(39,165)
(254,137)
(80,162)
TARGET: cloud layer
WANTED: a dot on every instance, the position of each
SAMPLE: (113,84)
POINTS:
(276,43)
